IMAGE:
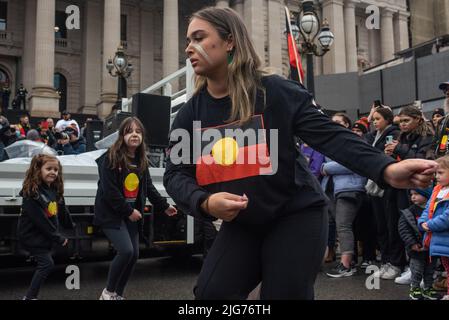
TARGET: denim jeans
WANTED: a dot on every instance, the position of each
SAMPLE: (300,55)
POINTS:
(422,269)
(45,266)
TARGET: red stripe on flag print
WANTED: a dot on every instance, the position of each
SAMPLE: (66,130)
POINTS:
(251,161)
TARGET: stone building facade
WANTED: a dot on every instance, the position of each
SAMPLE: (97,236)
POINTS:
(153,33)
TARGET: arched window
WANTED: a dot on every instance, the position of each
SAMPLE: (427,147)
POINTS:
(4,83)
(60,84)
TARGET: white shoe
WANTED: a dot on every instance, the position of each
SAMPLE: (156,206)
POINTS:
(391,272)
(446,297)
(106,295)
(405,278)
(406,270)
(382,270)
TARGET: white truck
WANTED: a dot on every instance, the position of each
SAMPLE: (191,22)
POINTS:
(159,233)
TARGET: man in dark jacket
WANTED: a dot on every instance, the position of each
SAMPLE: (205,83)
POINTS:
(72,144)
(421,267)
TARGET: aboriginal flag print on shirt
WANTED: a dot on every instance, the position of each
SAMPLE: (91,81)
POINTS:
(131,186)
(52,209)
(232,153)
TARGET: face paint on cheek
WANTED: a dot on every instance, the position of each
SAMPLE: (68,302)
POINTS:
(203,53)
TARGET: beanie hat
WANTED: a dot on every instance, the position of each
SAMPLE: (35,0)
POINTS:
(426,193)
(360,126)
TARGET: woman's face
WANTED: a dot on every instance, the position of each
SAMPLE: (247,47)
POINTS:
(207,52)
(436,118)
(340,120)
(408,124)
(379,121)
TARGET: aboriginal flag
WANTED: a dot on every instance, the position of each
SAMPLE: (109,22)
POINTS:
(296,71)
(131,186)
(231,152)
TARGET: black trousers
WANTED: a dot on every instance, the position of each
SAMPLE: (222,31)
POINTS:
(285,256)
(126,243)
(365,229)
(45,265)
(387,215)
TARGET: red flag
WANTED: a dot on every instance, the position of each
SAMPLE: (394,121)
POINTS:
(296,70)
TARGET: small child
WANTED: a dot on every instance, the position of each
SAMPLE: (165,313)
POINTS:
(43,210)
(435,218)
(421,267)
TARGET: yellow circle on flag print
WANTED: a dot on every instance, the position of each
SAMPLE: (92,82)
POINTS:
(131,182)
(225,151)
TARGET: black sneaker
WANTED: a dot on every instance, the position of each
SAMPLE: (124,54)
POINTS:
(415,294)
(341,271)
(430,294)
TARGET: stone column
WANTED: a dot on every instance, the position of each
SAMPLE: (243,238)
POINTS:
(351,41)
(170,48)
(44,100)
(146,47)
(275,34)
(335,60)
(222,3)
(374,46)
(111,41)
(238,6)
(387,34)
(92,64)
(254,20)
(29,45)
(403,30)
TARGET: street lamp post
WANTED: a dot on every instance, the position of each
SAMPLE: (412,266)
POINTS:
(307,26)
(123,69)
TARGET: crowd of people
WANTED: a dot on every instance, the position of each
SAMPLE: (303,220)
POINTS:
(369,224)
(377,183)
(65,137)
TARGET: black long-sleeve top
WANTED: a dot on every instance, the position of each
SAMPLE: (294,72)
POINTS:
(40,220)
(115,189)
(287,107)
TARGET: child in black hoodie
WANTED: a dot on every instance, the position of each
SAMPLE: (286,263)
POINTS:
(421,266)
(43,210)
(124,185)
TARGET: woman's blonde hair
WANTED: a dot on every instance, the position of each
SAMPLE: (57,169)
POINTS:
(244,71)
(443,162)
(33,177)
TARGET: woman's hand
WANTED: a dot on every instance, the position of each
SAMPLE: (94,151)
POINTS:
(171,211)
(389,147)
(135,216)
(225,206)
(65,242)
(417,247)
(425,227)
(411,173)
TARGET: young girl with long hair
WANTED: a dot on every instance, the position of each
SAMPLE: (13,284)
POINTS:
(124,185)
(43,211)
